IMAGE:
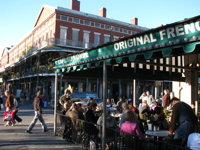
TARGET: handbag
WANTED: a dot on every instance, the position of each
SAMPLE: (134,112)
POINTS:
(8,116)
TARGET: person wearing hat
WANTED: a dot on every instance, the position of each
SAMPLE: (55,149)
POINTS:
(38,113)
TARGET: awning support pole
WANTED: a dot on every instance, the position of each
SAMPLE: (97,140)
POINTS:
(104,104)
(55,103)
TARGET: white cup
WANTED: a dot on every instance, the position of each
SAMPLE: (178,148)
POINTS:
(155,128)
(150,126)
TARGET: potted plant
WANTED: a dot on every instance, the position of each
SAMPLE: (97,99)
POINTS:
(17,74)
(33,68)
(4,77)
(50,67)
(23,52)
(50,59)
(42,68)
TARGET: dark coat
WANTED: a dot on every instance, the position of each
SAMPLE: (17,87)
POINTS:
(90,119)
(37,104)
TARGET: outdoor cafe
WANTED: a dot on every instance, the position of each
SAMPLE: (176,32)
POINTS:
(173,47)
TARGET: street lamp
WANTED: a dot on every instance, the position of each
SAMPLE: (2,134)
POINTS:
(111,28)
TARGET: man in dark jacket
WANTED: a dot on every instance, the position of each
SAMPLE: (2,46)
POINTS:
(91,119)
(38,113)
(183,120)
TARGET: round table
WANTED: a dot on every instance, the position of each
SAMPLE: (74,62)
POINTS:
(158,133)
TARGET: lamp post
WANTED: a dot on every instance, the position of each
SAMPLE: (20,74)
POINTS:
(111,28)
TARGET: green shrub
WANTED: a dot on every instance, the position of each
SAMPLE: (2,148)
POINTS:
(4,77)
(23,52)
(33,68)
(42,68)
(50,67)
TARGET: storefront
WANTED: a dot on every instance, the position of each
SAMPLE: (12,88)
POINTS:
(170,52)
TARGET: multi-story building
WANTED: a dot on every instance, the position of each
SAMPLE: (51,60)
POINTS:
(58,32)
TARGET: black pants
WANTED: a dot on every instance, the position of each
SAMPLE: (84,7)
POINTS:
(16,117)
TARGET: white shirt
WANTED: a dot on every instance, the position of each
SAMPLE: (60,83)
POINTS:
(194,141)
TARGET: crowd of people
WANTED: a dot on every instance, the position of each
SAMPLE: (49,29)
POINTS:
(134,119)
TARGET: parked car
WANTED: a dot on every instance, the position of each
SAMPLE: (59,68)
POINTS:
(86,101)
(75,97)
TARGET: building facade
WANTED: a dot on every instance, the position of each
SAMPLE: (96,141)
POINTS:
(58,32)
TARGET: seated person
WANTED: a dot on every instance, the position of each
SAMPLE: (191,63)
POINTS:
(108,103)
(110,121)
(158,119)
(144,108)
(91,101)
(133,108)
(64,120)
(193,141)
(90,120)
(119,105)
(132,128)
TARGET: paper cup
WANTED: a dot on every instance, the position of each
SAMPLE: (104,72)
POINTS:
(150,126)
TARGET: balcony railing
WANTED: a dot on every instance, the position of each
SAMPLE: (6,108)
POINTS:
(27,73)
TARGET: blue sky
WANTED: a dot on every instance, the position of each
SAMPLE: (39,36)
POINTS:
(17,17)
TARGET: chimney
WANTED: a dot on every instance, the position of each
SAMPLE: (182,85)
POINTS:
(102,12)
(75,5)
(134,21)
(160,25)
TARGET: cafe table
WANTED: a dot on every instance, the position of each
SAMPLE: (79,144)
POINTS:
(158,133)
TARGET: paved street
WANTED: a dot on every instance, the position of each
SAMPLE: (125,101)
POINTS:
(14,137)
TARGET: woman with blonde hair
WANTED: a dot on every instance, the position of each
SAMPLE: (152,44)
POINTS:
(165,99)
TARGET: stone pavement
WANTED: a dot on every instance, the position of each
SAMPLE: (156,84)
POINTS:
(14,137)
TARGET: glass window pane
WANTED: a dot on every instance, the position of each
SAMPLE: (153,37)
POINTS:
(76,20)
(98,25)
(75,38)
(106,39)
(86,39)
(96,39)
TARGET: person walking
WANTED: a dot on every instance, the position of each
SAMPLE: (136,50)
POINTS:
(15,108)
(38,113)
(9,104)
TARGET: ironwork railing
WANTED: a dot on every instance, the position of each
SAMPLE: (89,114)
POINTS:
(83,133)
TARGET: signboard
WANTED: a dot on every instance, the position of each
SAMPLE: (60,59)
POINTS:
(138,43)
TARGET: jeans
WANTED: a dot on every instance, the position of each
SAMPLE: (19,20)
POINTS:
(16,117)
(184,131)
(37,116)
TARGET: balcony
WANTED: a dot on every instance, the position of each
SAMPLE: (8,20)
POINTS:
(29,73)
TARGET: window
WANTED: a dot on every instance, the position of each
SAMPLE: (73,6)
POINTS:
(115,38)
(64,18)
(87,22)
(107,27)
(116,29)
(63,35)
(75,20)
(96,39)
(98,25)
(86,38)
(125,31)
(75,37)
(133,32)
(106,38)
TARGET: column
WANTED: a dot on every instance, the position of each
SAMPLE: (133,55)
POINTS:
(61,75)
(137,92)
(38,72)
(79,86)
(120,91)
(87,88)
(98,87)
(134,93)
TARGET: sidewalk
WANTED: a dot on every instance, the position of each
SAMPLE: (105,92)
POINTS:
(14,137)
